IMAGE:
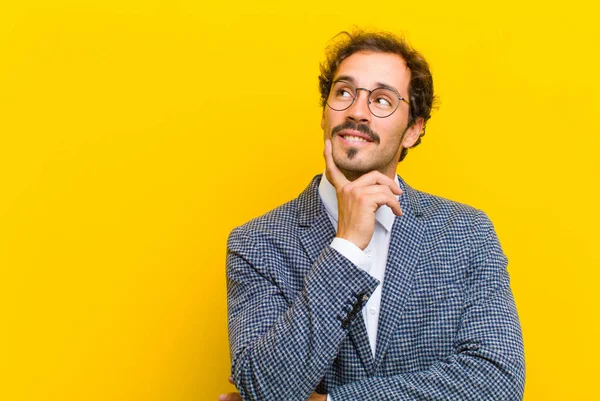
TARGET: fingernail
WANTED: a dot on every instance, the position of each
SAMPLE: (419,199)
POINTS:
(222,397)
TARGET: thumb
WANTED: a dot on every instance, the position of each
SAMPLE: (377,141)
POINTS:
(334,175)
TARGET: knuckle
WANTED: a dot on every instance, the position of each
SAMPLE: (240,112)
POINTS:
(356,192)
(364,201)
(374,174)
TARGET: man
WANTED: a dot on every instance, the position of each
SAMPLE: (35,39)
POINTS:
(363,288)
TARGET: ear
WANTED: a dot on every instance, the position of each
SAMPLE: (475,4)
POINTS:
(412,133)
(323,119)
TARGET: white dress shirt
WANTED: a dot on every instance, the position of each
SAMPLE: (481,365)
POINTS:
(372,260)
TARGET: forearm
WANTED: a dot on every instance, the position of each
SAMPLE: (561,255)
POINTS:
(488,362)
(280,351)
(460,378)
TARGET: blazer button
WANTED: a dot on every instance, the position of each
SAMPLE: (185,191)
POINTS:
(345,323)
(362,297)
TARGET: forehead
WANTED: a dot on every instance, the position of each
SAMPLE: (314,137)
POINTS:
(370,69)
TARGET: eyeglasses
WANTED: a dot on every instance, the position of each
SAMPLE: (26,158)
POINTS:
(382,102)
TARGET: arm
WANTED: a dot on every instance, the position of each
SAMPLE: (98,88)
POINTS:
(281,349)
(235,396)
(488,359)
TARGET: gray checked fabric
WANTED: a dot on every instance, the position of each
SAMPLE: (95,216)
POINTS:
(448,328)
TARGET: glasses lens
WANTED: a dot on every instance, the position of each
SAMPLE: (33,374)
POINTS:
(383,102)
(341,96)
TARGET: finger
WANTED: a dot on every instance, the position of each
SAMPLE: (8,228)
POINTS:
(392,202)
(382,198)
(395,206)
(377,178)
(334,175)
(230,397)
(230,379)
(373,189)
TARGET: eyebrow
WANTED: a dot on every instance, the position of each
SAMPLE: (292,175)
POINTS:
(350,79)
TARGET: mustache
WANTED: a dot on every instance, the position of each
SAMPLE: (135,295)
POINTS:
(362,128)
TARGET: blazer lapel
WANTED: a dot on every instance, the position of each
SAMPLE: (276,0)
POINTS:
(316,230)
(316,233)
(403,255)
(360,338)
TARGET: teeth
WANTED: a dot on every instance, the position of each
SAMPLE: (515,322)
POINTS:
(354,138)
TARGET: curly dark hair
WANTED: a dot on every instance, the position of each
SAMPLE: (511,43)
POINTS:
(420,89)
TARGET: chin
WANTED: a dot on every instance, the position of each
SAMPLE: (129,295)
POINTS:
(354,168)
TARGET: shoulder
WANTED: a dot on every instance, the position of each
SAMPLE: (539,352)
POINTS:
(280,225)
(434,206)
(280,220)
(463,231)
(441,212)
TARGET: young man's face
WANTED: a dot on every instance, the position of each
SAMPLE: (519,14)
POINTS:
(384,137)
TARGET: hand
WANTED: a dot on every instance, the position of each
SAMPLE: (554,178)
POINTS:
(236,396)
(317,397)
(358,200)
(230,396)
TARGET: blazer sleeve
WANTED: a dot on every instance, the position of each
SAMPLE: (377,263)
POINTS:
(281,347)
(488,359)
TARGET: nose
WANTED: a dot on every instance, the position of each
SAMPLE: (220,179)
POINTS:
(359,111)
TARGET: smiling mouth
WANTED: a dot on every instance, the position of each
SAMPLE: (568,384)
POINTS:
(352,138)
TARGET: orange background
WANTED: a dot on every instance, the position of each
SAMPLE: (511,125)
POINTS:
(134,135)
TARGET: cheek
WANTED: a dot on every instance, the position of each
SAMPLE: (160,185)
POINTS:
(400,128)
(390,132)
(328,122)
(324,121)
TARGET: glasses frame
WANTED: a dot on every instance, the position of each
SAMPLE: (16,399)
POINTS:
(368,97)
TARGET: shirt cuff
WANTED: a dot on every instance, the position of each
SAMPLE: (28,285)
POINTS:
(328,397)
(353,253)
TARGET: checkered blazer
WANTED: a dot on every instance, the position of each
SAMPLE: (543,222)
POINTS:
(448,327)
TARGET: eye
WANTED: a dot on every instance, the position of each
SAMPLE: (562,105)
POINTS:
(382,101)
(344,92)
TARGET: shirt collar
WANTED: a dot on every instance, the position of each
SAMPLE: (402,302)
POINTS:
(383,215)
